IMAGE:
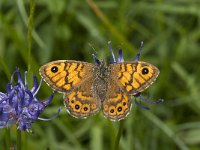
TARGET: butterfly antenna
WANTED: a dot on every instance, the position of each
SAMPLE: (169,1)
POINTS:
(94,55)
(96,59)
(92,48)
(95,52)
(111,50)
(138,54)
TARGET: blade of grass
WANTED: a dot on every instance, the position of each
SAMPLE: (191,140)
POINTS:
(108,24)
(166,130)
(119,134)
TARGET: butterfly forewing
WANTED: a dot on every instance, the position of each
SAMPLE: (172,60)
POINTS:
(65,75)
(134,77)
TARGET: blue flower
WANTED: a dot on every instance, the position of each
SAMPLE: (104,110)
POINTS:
(120,56)
(119,59)
(19,105)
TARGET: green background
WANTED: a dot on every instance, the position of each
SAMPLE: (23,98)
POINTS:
(74,30)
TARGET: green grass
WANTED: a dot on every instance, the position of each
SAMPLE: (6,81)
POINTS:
(74,30)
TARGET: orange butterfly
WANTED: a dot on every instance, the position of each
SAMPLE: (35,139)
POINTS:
(89,87)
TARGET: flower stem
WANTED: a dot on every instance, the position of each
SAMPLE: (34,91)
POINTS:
(18,139)
(117,140)
(30,30)
(7,139)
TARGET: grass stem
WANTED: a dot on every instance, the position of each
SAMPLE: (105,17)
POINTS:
(119,134)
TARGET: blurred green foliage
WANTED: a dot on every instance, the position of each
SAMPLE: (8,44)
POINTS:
(75,29)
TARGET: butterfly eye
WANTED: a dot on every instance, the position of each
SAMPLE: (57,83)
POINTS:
(145,71)
(54,69)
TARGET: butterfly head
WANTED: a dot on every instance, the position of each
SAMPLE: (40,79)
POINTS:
(102,69)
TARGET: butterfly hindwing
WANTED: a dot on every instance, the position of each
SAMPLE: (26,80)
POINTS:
(82,102)
(117,104)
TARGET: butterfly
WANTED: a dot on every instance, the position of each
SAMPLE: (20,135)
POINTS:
(89,88)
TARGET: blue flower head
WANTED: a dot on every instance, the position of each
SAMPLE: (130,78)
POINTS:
(19,105)
(119,59)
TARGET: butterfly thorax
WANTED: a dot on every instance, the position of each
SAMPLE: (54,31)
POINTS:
(102,70)
(101,78)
